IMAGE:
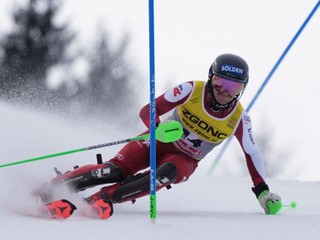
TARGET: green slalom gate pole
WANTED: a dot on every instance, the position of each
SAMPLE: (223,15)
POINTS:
(167,132)
(153,161)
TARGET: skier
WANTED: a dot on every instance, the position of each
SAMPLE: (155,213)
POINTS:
(209,112)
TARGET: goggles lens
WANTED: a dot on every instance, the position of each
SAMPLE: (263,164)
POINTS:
(224,85)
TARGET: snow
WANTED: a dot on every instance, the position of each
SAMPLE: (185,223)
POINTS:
(204,207)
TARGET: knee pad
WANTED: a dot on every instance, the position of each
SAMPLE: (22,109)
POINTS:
(167,172)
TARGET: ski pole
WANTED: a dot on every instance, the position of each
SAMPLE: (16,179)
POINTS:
(275,207)
(291,205)
(167,132)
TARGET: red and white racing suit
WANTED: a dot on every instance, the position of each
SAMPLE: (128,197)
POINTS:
(204,129)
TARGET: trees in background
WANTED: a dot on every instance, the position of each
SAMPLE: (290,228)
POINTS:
(38,46)
(35,45)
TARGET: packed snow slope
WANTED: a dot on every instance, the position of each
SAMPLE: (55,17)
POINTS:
(205,207)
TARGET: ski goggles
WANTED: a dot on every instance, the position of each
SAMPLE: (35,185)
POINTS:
(233,88)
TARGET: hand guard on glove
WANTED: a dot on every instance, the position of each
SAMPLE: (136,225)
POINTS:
(270,202)
(169,131)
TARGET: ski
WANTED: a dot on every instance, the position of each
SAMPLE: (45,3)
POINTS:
(103,208)
(63,209)
(59,209)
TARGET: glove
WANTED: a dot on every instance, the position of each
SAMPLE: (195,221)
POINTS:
(270,202)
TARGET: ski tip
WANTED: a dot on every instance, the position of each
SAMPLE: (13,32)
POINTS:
(60,209)
(103,208)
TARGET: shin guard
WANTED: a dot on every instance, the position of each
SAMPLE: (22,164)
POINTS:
(137,186)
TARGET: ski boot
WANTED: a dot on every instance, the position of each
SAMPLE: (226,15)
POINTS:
(80,178)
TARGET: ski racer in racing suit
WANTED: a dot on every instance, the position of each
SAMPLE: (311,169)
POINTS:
(209,112)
